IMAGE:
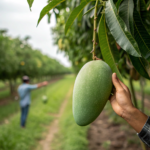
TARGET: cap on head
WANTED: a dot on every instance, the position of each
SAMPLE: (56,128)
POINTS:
(25,79)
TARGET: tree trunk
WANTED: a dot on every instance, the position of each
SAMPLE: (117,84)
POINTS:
(11,87)
(15,86)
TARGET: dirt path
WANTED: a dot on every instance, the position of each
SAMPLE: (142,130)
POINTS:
(9,99)
(45,144)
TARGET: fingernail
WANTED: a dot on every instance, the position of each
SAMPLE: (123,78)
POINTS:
(116,76)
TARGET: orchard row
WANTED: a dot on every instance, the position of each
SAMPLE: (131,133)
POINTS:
(18,58)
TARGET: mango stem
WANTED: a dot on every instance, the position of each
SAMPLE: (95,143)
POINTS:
(95,29)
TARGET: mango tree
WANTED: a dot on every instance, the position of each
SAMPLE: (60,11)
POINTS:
(122,27)
(18,58)
(120,30)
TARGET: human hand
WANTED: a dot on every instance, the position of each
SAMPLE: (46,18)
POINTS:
(121,100)
(122,105)
(45,83)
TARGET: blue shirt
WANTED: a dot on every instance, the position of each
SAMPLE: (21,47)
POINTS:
(24,93)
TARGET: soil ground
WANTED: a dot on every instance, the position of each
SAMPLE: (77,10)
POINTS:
(104,135)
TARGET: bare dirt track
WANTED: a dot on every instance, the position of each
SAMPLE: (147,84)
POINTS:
(45,144)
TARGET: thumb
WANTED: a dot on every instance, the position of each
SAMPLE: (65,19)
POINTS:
(116,82)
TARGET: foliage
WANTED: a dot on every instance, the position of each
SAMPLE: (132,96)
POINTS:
(76,44)
(30,2)
(18,58)
(13,137)
(126,20)
(7,110)
(4,93)
(109,51)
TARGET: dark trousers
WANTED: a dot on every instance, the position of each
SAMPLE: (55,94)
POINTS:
(24,113)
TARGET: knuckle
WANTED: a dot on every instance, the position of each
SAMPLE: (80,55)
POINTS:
(126,89)
(121,90)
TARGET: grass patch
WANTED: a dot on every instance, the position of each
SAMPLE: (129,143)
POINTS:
(7,110)
(12,137)
(2,84)
(70,136)
(4,93)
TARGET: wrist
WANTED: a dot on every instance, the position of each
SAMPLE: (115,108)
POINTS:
(135,118)
(129,113)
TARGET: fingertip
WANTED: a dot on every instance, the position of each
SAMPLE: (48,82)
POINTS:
(114,77)
(115,81)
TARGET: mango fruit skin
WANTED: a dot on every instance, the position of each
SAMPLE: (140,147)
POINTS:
(91,91)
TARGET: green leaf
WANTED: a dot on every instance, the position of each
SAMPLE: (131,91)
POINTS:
(48,7)
(48,17)
(89,10)
(119,30)
(106,47)
(141,65)
(75,13)
(145,15)
(115,1)
(148,4)
(118,4)
(142,5)
(126,13)
(80,16)
(99,6)
(30,2)
(141,36)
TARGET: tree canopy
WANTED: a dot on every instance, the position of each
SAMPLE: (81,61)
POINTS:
(18,58)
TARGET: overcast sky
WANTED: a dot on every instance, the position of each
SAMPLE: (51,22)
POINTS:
(17,18)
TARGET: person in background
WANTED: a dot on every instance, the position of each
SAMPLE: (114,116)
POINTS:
(122,105)
(25,100)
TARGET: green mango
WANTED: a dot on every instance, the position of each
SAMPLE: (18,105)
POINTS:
(91,91)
